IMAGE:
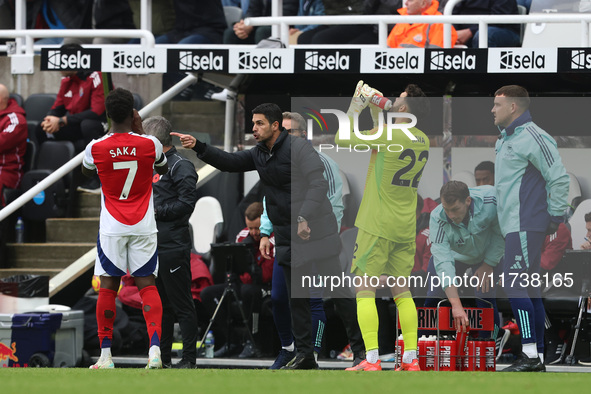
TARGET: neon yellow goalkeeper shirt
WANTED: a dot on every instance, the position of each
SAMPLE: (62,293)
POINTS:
(389,203)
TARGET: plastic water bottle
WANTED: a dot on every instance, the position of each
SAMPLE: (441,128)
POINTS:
(382,102)
(19,230)
(209,345)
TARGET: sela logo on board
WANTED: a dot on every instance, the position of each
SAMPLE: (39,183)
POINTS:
(446,61)
(397,60)
(201,60)
(134,60)
(522,60)
(252,61)
(318,62)
(387,61)
(122,59)
(73,60)
(327,60)
(580,59)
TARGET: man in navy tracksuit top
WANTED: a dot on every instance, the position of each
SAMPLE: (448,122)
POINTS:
(532,189)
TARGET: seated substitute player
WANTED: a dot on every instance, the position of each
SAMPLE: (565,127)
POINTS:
(386,219)
(464,233)
(127,238)
(484,173)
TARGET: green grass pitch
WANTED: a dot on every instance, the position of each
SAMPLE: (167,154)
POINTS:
(131,380)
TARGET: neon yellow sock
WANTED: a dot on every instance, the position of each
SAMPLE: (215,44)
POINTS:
(409,322)
(367,316)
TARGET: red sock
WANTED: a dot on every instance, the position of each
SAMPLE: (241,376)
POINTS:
(105,316)
(152,308)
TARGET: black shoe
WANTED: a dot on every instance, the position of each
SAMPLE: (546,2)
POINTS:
(284,357)
(166,365)
(501,341)
(585,361)
(357,361)
(302,361)
(184,364)
(226,351)
(526,364)
(249,351)
(554,352)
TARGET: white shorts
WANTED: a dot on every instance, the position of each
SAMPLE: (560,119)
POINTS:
(137,254)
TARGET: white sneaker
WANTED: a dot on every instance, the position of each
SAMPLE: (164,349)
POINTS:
(155,362)
(103,363)
(221,96)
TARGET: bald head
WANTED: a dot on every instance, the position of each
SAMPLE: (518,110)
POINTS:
(4,95)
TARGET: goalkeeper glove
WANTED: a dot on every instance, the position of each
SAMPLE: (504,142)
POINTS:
(360,99)
(374,109)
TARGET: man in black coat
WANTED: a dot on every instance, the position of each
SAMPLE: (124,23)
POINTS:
(175,195)
(304,225)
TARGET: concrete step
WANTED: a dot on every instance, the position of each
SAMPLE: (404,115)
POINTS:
(46,255)
(51,272)
(206,116)
(72,230)
(89,205)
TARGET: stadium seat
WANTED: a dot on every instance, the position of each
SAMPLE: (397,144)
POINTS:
(37,105)
(465,176)
(30,155)
(233,14)
(138,103)
(574,195)
(206,225)
(577,224)
(18,98)
(52,202)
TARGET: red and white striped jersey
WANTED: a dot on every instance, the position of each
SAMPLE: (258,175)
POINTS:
(125,164)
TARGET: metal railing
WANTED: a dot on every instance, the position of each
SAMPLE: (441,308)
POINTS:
(384,20)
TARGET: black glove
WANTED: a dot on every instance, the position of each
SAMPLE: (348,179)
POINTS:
(552,228)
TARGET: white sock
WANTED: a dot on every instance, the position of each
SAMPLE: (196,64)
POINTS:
(372,356)
(408,356)
(154,351)
(541,356)
(316,356)
(289,348)
(530,349)
(105,352)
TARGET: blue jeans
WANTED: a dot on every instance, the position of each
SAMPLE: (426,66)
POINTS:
(499,37)
(192,39)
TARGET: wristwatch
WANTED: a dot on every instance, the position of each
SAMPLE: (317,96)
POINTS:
(61,122)
(301,219)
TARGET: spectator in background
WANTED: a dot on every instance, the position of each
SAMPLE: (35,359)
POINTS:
(175,195)
(307,8)
(249,286)
(13,142)
(423,252)
(197,22)
(242,4)
(498,35)
(418,35)
(243,34)
(484,173)
(587,244)
(78,112)
(350,34)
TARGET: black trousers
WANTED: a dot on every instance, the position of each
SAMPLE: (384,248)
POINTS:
(174,286)
(301,316)
(80,134)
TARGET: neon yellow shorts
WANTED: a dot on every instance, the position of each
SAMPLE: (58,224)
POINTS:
(375,256)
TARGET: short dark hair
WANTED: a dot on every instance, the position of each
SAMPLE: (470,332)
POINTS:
(486,166)
(119,105)
(254,211)
(271,111)
(418,104)
(588,217)
(71,46)
(454,191)
(518,93)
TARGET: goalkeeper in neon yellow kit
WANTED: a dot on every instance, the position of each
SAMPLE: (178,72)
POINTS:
(385,244)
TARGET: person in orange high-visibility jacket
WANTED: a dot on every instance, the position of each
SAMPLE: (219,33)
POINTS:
(419,35)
